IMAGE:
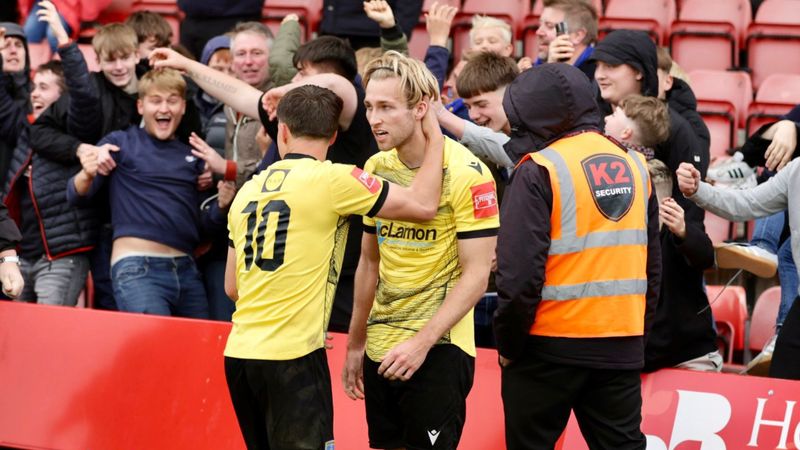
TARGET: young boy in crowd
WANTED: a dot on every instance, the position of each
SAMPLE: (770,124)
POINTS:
(639,123)
(152,31)
(482,85)
(154,201)
(56,238)
(489,34)
(98,103)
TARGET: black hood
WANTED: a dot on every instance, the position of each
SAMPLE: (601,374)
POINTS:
(634,48)
(681,96)
(21,85)
(545,103)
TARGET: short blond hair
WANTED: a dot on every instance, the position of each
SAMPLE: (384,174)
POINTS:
(168,80)
(115,40)
(651,117)
(480,22)
(416,81)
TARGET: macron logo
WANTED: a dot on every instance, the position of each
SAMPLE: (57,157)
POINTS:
(433,435)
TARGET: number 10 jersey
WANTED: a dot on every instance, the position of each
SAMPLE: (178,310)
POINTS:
(288,227)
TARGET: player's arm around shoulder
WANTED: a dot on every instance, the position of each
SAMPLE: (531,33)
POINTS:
(420,201)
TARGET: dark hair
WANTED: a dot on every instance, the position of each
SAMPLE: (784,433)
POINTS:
(56,68)
(310,111)
(333,54)
(149,24)
(485,72)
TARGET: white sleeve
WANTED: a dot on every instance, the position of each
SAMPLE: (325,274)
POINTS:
(487,144)
(736,205)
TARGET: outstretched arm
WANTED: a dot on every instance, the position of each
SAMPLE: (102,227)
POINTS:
(233,92)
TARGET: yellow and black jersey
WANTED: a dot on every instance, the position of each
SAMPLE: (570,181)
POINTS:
(288,226)
(419,262)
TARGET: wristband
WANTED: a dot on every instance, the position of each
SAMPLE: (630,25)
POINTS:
(230,170)
(9,259)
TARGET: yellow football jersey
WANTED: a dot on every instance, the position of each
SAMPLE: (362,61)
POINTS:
(288,226)
(419,262)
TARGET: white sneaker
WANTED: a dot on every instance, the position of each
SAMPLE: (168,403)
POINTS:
(751,258)
(759,366)
(732,173)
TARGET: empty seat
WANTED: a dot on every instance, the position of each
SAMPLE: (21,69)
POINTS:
(729,308)
(777,95)
(773,40)
(39,53)
(717,228)
(733,87)
(652,16)
(762,323)
(708,33)
(309,13)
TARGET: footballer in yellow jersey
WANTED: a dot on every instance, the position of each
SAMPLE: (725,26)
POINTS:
(288,226)
(287,230)
(419,263)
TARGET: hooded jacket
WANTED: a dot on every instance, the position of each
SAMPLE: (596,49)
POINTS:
(545,104)
(636,49)
(211,110)
(530,102)
(18,87)
(681,99)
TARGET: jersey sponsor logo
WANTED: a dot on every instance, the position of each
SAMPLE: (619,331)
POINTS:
(484,200)
(404,233)
(610,180)
(372,184)
(274,180)
(476,165)
(433,435)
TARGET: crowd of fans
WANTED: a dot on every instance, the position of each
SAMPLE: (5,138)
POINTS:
(105,173)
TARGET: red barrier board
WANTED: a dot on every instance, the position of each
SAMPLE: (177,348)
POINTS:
(83,379)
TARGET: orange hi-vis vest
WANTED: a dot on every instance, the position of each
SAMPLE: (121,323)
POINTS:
(595,275)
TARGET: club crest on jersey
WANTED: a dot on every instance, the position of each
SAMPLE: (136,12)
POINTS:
(274,180)
(372,184)
(484,200)
(610,180)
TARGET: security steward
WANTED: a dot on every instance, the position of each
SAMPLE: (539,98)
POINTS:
(578,269)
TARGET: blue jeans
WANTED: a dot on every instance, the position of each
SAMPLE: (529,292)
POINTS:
(767,235)
(36,31)
(220,306)
(163,286)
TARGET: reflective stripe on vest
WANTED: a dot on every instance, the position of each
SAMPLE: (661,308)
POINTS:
(595,274)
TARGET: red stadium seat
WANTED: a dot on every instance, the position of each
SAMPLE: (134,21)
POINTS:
(653,16)
(39,53)
(762,323)
(308,11)
(733,87)
(90,56)
(708,33)
(773,40)
(777,95)
(538,6)
(511,11)
(717,228)
(418,44)
(729,308)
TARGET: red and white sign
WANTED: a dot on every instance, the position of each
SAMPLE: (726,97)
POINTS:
(371,183)
(685,410)
(484,200)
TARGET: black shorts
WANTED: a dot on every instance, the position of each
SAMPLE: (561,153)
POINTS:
(283,404)
(425,412)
